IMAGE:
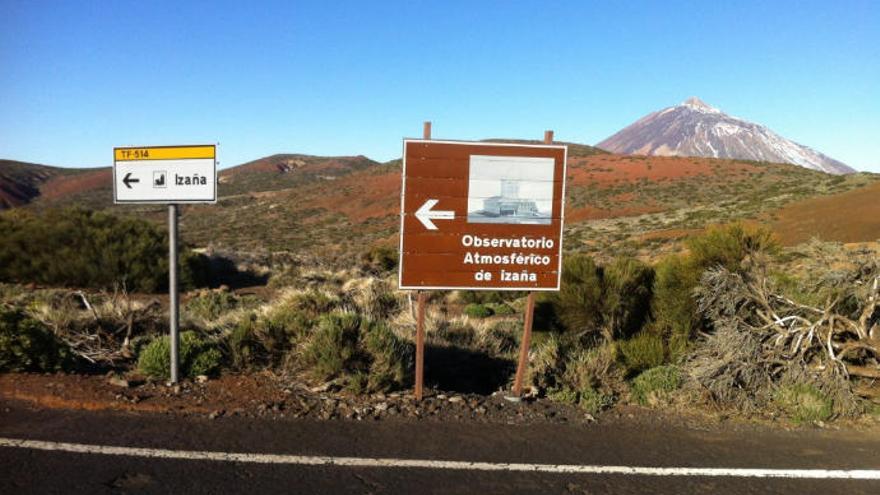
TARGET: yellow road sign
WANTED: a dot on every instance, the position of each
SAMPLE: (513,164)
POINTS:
(164,153)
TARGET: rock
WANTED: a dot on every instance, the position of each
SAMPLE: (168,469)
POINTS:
(202,378)
(216,414)
(456,400)
(381,407)
(118,382)
(480,410)
(510,398)
(442,397)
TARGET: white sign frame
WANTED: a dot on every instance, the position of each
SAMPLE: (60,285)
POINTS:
(402,230)
(168,165)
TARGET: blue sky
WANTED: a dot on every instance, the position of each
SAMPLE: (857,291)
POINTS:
(340,78)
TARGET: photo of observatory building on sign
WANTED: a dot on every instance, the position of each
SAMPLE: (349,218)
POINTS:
(516,190)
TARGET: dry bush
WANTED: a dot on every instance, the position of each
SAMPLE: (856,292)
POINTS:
(100,332)
(564,372)
(763,339)
(501,337)
(545,364)
(375,297)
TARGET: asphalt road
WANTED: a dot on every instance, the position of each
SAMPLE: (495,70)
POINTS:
(25,470)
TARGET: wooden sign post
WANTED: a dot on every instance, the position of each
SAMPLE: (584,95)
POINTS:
(421,296)
(480,216)
(523,362)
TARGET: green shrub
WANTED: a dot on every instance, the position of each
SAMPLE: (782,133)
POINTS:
(804,403)
(210,305)
(613,301)
(674,307)
(154,359)
(333,347)
(26,345)
(642,352)
(729,245)
(656,384)
(594,401)
(205,362)
(564,395)
(361,354)
(589,399)
(288,323)
(197,357)
(500,309)
(578,303)
(391,358)
(243,346)
(627,290)
(314,303)
(82,248)
(475,310)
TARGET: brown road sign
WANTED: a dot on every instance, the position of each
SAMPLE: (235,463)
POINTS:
(481,215)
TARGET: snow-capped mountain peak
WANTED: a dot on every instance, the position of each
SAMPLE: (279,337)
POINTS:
(695,128)
(699,105)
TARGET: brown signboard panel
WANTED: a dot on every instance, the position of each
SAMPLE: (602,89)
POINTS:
(481,215)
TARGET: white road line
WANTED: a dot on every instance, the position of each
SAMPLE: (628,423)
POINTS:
(309,460)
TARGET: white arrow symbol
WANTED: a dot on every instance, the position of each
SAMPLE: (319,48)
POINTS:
(425,215)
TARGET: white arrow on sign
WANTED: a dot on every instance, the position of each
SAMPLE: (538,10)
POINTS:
(425,214)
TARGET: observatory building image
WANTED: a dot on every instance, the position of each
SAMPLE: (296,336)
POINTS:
(513,190)
(509,203)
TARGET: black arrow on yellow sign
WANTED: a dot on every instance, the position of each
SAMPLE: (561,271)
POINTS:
(128,180)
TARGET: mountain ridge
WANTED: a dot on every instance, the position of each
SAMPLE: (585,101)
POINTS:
(695,128)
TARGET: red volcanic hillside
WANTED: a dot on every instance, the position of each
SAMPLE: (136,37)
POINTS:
(285,170)
(633,202)
(640,205)
(22,183)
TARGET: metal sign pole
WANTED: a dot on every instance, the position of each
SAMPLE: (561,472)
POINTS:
(527,327)
(420,317)
(174,304)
